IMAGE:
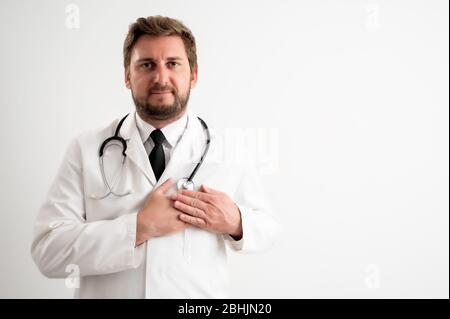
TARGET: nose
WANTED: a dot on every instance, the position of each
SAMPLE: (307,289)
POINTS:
(161,75)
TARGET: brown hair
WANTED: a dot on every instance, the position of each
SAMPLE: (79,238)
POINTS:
(159,26)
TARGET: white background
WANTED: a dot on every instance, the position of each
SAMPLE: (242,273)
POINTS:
(356,93)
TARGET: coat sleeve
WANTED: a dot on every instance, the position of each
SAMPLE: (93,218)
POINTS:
(63,238)
(259,225)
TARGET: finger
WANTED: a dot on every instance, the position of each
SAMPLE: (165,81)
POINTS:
(194,202)
(192,220)
(195,212)
(208,190)
(199,195)
(164,187)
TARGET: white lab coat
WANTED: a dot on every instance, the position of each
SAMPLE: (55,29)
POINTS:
(97,237)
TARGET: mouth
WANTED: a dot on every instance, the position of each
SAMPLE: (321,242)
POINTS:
(161,93)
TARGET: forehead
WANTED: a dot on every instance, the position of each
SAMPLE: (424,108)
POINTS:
(158,47)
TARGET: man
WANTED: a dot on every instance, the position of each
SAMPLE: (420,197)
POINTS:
(141,237)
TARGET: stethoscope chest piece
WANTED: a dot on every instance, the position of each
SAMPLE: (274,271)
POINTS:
(185,183)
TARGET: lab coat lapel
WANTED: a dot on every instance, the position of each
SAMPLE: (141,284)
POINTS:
(186,153)
(135,148)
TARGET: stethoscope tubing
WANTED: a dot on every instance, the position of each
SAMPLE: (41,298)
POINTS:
(184,183)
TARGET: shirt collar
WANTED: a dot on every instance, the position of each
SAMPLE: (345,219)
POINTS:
(172,132)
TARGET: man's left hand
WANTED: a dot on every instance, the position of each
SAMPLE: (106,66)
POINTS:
(209,209)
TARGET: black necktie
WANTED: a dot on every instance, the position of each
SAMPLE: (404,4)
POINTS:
(156,156)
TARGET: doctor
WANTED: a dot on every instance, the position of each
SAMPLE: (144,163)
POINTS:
(120,218)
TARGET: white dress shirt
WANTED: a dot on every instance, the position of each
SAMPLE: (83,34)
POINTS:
(172,133)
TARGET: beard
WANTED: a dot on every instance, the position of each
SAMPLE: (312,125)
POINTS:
(160,111)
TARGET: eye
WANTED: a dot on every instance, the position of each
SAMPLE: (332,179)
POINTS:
(173,64)
(146,65)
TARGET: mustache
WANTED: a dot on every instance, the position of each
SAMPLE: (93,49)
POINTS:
(159,88)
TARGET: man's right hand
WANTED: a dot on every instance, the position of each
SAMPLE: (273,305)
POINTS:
(158,216)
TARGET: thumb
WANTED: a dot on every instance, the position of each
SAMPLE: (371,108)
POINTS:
(164,187)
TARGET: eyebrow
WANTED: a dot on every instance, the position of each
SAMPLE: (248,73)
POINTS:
(173,58)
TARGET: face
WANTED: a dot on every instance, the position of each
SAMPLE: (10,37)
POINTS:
(159,77)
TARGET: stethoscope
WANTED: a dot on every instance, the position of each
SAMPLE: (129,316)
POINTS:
(183,183)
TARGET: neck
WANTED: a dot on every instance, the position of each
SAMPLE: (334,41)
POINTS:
(159,124)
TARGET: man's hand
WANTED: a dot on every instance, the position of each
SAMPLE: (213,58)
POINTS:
(158,217)
(209,209)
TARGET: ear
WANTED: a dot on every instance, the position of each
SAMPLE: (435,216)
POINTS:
(194,76)
(127,77)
